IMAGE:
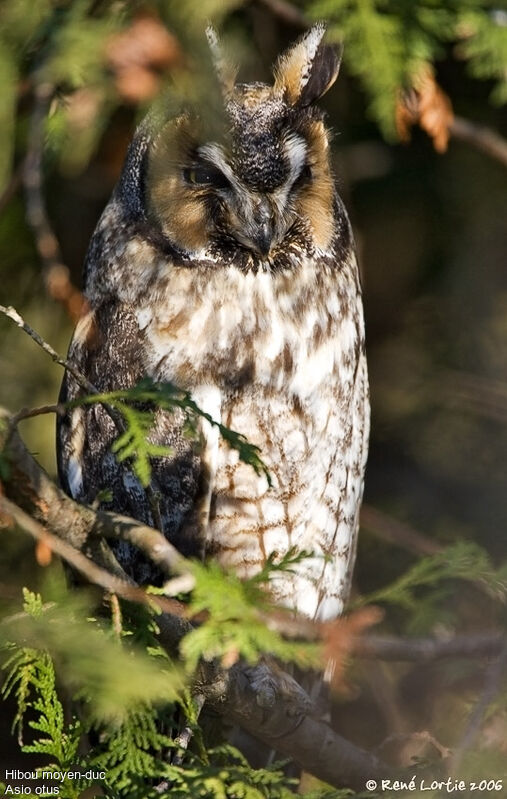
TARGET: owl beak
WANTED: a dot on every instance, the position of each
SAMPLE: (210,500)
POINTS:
(264,238)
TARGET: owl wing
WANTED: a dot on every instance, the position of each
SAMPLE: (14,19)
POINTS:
(108,348)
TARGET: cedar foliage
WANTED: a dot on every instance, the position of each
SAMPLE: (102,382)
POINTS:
(134,444)
(129,719)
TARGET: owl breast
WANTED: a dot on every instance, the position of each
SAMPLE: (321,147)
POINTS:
(278,357)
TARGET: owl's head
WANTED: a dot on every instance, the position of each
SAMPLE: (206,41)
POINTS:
(266,183)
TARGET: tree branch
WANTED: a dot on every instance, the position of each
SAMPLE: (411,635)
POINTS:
(264,701)
(80,379)
(286,13)
(95,575)
(56,274)
(480,137)
(84,383)
(10,190)
(395,532)
(403,535)
(473,393)
(33,490)
(426,650)
(492,683)
(275,709)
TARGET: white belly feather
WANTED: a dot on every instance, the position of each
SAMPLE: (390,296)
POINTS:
(305,404)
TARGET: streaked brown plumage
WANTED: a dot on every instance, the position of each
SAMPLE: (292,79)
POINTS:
(228,268)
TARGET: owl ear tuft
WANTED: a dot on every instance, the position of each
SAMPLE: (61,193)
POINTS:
(307,69)
(225,71)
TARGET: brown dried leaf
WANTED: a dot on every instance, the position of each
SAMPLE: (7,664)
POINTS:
(339,638)
(230,658)
(402,750)
(406,114)
(135,84)
(426,105)
(139,54)
(6,521)
(43,553)
(494,732)
(60,287)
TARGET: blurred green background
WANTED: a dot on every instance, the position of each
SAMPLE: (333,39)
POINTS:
(430,230)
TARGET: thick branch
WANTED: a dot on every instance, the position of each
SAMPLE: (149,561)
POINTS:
(96,575)
(275,709)
(426,650)
(32,489)
(481,137)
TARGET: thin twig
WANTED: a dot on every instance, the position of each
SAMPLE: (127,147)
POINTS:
(286,13)
(396,532)
(94,574)
(474,393)
(492,685)
(410,745)
(154,507)
(403,535)
(80,379)
(480,137)
(185,736)
(30,413)
(386,696)
(115,614)
(85,384)
(11,189)
(56,274)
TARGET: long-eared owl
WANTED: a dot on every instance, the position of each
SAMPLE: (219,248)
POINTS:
(227,267)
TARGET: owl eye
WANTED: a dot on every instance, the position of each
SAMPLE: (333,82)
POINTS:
(205,176)
(304,177)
